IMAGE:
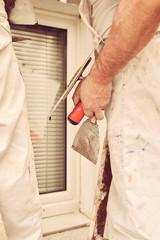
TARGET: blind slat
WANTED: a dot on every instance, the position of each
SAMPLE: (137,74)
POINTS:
(42,60)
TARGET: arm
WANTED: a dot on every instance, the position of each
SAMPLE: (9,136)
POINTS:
(134,25)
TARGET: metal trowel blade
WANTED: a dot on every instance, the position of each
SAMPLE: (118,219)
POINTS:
(86,141)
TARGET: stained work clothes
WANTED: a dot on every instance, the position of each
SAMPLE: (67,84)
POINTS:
(3,235)
(22,13)
(98,16)
(19,199)
(133,127)
(133,206)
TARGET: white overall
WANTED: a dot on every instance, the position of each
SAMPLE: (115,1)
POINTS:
(133,123)
(19,199)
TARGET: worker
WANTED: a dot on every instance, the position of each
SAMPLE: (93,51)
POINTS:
(125,82)
(20,206)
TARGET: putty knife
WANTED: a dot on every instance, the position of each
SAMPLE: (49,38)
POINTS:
(86,141)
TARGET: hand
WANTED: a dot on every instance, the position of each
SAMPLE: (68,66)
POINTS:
(94,95)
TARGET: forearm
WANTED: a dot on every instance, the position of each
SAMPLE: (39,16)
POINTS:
(134,25)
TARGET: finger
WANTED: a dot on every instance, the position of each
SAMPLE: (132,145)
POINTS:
(89,114)
(99,115)
(76,99)
(76,95)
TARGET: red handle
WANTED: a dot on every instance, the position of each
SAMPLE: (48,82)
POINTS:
(77,114)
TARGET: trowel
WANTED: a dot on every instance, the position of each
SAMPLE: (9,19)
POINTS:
(86,141)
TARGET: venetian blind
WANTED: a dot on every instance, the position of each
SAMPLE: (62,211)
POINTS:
(41,53)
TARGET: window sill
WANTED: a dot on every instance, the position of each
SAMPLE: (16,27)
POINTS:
(57,224)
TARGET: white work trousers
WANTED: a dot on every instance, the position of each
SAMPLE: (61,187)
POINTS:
(133,133)
(133,119)
(19,199)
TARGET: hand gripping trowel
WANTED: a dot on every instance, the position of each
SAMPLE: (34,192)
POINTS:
(86,141)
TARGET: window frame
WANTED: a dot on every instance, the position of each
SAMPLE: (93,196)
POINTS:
(64,202)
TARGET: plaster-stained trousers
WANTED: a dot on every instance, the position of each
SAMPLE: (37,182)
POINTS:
(133,134)
(19,199)
(133,123)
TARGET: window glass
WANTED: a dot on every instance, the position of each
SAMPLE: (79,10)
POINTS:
(41,53)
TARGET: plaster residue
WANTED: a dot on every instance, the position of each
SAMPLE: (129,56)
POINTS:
(102,192)
(138,145)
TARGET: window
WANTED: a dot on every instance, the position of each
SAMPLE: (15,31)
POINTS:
(60,206)
(65,199)
(41,53)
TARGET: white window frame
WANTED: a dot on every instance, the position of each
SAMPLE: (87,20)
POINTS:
(64,202)
(61,210)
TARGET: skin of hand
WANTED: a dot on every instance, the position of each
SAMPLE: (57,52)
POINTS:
(94,97)
(135,22)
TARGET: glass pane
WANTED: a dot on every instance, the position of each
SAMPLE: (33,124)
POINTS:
(41,53)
